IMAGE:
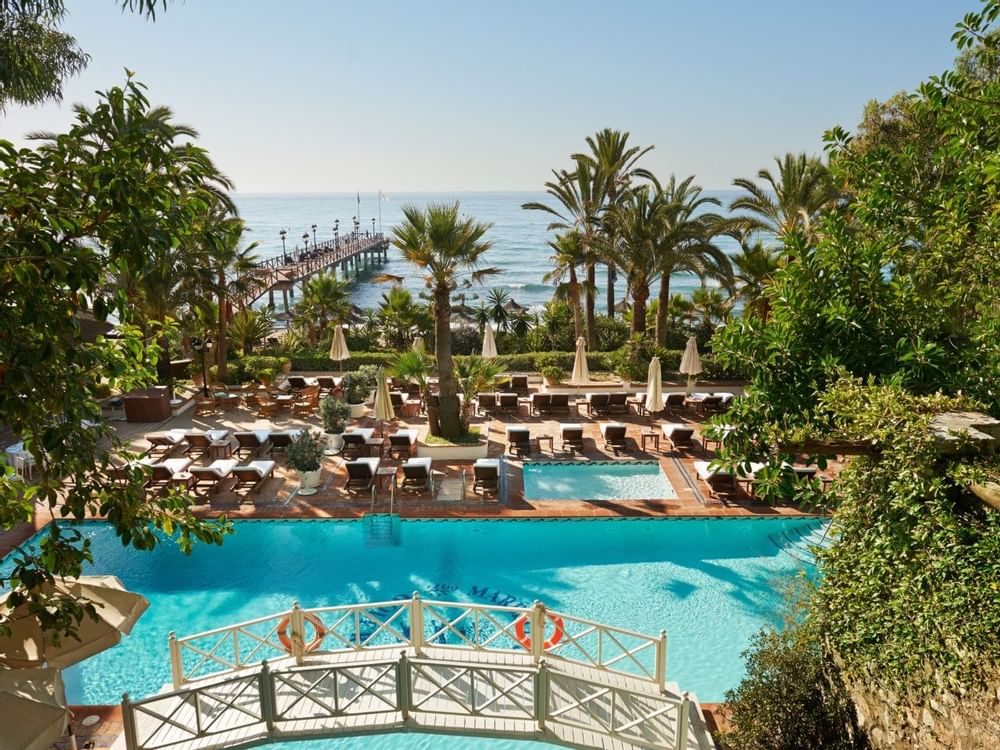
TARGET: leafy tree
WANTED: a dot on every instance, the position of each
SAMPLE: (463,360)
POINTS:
(35,56)
(568,254)
(498,302)
(754,266)
(400,318)
(111,193)
(476,375)
(325,300)
(446,246)
(247,328)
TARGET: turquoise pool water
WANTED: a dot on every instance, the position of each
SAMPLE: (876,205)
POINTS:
(709,583)
(596,480)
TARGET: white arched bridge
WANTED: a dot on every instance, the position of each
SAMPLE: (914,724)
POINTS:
(416,665)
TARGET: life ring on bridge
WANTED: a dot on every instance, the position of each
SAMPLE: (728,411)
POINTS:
(286,642)
(525,639)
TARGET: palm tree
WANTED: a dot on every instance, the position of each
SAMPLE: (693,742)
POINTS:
(568,255)
(787,202)
(611,155)
(497,302)
(639,222)
(686,243)
(325,300)
(476,375)
(247,328)
(580,198)
(710,307)
(753,268)
(401,317)
(445,246)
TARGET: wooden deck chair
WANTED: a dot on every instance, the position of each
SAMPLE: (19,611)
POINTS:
(251,476)
(486,475)
(281,440)
(615,439)
(162,444)
(678,435)
(559,403)
(361,472)
(198,443)
(541,403)
(618,403)
(417,475)
(674,403)
(572,438)
(507,402)
(486,403)
(214,475)
(252,443)
(401,443)
(519,441)
(519,384)
(355,444)
(267,407)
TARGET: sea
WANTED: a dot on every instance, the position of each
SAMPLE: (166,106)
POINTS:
(520,237)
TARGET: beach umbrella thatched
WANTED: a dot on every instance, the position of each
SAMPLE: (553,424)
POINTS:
(37,698)
(581,374)
(418,344)
(117,611)
(489,343)
(654,387)
(690,362)
(338,348)
(383,404)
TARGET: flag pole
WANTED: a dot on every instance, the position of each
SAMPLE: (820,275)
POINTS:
(380,210)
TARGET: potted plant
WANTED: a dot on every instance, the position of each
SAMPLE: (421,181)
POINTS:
(304,455)
(266,376)
(334,413)
(357,387)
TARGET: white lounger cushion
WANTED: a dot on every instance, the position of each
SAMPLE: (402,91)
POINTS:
(705,473)
(425,462)
(516,428)
(411,434)
(671,427)
(606,425)
(261,467)
(222,467)
(174,465)
(366,432)
(570,427)
(262,435)
(371,461)
(494,462)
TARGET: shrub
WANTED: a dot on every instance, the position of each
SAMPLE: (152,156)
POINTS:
(553,374)
(305,452)
(359,384)
(334,413)
(466,340)
(612,333)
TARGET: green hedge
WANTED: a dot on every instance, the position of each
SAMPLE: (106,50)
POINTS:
(670,360)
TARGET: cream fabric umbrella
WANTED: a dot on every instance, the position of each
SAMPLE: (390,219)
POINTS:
(383,404)
(338,348)
(418,344)
(690,362)
(489,343)
(581,375)
(117,611)
(654,387)
(37,698)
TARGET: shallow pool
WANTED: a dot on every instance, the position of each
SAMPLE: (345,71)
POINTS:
(596,480)
(710,583)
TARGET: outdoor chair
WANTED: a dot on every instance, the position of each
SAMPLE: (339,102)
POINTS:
(213,475)
(162,444)
(198,443)
(486,475)
(559,403)
(618,403)
(486,403)
(417,475)
(507,402)
(361,472)
(327,384)
(413,390)
(163,472)
(251,476)
(204,405)
(281,440)
(296,382)
(614,437)
(721,484)
(678,435)
(541,403)
(711,403)
(250,399)
(401,443)
(253,443)
(305,405)
(596,403)
(519,440)
(674,403)
(267,407)
(355,444)
(572,438)
(519,384)
(396,399)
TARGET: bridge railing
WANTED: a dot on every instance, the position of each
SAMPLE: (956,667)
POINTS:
(417,623)
(529,701)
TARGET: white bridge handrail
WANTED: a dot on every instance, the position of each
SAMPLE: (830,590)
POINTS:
(531,701)
(416,623)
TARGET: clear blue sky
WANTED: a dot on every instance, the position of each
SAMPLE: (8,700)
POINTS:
(323,95)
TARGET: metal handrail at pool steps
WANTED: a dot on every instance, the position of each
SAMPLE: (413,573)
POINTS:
(418,665)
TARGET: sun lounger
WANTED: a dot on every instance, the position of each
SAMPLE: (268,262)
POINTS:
(618,403)
(678,435)
(252,475)
(486,475)
(507,402)
(486,403)
(281,440)
(361,472)
(417,474)
(213,475)
(401,443)
(327,384)
(572,437)
(614,436)
(720,483)
(163,471)
(595,403)
(541,403)
(256,443)
(518,440)
(519,384)
(162,444)
(296,382)
(356,442)
(673,403)
(559,403)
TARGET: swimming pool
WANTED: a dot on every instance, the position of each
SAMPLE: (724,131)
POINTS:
(710,583)
(596,480)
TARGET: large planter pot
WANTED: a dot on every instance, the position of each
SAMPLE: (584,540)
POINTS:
(453,452)
(357,410)
(309,481)
(334,443)
(286,367)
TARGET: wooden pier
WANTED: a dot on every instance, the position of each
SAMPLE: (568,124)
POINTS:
(281,273)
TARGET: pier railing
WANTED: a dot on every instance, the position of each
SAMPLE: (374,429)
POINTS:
(417,623)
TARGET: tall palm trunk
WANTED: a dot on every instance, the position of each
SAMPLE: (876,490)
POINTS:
(448,417)
(222,348)
(611,289)
(640,293)
(663,301)
(591,315)
(574,299)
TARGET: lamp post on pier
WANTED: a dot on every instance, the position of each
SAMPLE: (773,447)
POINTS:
(357,227)
(305,241)
(314,235)
(282,234)
(373,226)
(203,347)
(336,233)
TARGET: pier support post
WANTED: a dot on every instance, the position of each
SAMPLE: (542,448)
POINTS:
(270,298)
(284,298)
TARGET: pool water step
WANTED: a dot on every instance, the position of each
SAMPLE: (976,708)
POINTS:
(382,530)
(801,542)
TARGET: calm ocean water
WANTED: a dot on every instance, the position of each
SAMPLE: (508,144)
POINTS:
(519,237)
